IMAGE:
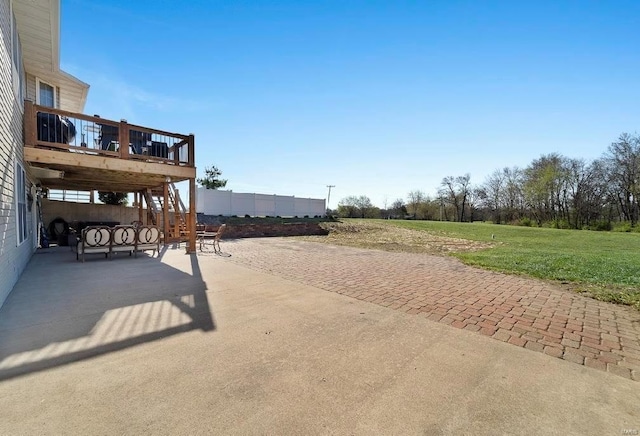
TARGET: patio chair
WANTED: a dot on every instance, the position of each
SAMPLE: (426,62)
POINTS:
(147,238)
(123,238)
(211,239)
(94,239)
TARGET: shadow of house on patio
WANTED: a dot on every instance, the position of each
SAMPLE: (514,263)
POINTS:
(62,311)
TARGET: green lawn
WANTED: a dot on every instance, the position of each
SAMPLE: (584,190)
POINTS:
(605,265)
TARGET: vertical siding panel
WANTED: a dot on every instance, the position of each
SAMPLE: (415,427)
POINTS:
(31,87)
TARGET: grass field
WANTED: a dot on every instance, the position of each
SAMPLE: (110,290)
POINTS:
(604,265)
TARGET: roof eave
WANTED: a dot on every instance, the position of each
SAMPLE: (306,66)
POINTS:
(46,28)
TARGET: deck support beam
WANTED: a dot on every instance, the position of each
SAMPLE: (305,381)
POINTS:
(165,211)
(192,217)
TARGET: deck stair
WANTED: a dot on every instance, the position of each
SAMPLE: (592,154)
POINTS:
(177,229)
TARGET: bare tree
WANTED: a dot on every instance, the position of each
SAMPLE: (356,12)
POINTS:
(587,192)
(464,190)
(447,194)
(492,193)
(474,198)
(414,198)
(513,195)
(623,161)
(455,191)
(600,196)
(398,208)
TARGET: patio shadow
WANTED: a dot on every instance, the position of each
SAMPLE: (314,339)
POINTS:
(63,311)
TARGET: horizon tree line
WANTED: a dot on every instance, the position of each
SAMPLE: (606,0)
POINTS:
(552,190)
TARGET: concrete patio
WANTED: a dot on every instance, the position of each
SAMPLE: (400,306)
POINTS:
(185,344)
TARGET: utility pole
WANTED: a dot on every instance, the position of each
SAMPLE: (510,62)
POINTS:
(329,195)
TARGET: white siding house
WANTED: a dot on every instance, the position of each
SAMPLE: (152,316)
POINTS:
(29,69)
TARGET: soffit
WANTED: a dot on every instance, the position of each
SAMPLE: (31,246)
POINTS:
(39,29)
(38,24)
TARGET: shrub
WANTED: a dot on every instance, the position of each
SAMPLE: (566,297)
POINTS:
(560,224)
(601,226)
(623,227)
(524,221)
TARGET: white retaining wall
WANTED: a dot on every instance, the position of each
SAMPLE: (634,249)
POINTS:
(228,203)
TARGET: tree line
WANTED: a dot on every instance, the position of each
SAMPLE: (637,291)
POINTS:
(552,190)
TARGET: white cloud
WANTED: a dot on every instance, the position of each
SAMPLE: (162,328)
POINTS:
(113,97)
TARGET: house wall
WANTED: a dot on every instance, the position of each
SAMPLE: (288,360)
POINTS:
(71,211)
(31,87)
(217,202)
(13,257)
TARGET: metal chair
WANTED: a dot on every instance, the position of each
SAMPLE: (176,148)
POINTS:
(210,239)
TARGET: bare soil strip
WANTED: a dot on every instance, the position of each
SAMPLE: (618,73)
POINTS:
(391,238)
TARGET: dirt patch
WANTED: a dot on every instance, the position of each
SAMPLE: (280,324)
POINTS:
(391,238)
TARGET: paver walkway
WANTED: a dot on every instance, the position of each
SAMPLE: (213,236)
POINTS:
(521,311)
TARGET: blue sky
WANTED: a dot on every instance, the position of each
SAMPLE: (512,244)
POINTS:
(376,97)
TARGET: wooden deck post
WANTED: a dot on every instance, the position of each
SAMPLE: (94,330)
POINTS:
(191,150)
(123,139)
(165,212)
(192,196)
(191,226)
(30,124)
(176,155)
(139,194)
(176,214)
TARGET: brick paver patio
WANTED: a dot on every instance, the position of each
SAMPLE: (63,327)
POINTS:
(521,311)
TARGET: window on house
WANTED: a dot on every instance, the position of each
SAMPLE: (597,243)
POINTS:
(16,56)
(46,94)
(21,203)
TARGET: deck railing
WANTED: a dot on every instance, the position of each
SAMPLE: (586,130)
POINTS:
(57,129)
(70,195)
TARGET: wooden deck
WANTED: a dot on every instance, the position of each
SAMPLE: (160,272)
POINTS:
(75,151)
